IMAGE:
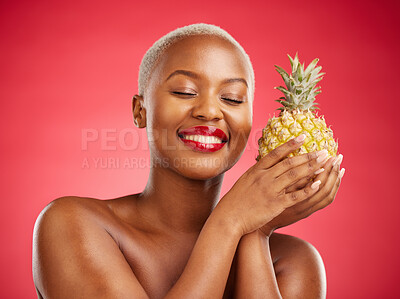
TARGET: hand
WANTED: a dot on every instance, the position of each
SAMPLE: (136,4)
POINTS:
(303,182)
(330,181)
(260,193)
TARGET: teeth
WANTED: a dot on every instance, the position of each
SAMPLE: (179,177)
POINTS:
(203,138)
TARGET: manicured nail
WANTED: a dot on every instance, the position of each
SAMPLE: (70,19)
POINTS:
(300,138)
(338,160)
(322,155)
(341,173)
(319,171)
(316,184)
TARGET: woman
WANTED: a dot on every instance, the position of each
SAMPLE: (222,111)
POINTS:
(176,239)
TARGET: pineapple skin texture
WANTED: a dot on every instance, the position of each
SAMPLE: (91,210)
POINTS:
(291,124)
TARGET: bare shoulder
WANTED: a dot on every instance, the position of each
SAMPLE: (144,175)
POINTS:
(67,205)
(298,266)
(69,216)
(71,246)
(73,212)
(287,245)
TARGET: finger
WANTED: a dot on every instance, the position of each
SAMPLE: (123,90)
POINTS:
(288,163)
(295,197)
(299,184)
(323,176)
(287,174)
(330,188)
(328,199)
(281,152)
(328,167)
(304,208)
(327,192)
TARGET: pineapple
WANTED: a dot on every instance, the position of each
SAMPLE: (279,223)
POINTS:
(297,114)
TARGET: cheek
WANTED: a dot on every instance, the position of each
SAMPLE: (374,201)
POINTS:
(165,118)
(240,123)
(164,113)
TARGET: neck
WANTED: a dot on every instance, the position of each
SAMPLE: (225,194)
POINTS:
(177,203)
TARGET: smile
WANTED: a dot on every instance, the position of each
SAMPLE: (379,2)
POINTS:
(203,138)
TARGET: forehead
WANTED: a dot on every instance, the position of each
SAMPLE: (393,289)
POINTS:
(210,55)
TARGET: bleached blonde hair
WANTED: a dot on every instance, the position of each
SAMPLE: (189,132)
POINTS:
(153,54)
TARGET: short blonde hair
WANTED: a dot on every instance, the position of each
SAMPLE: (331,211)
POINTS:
(152,55)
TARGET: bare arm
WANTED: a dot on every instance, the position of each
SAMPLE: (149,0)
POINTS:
(74,256)
(301,272)
(207,271)
(255,277)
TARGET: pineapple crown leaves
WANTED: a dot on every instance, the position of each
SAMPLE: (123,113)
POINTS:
(301,86)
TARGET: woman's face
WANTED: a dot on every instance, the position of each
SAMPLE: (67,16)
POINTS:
(199,107)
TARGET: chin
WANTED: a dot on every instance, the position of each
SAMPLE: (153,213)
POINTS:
(201,168)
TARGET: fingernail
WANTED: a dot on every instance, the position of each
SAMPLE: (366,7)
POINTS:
(300,138)
(316,184)
(338,160)
(341,173)
(319,171)
(322,155)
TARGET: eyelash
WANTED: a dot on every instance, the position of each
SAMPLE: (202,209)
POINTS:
(183,93)
(233,100)
(193,94)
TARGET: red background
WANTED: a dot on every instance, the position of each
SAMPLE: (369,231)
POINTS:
(69,66)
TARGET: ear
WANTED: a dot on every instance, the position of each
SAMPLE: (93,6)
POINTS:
(139,112)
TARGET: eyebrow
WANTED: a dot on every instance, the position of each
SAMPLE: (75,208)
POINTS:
(232,80)
(196,76)
(183,72)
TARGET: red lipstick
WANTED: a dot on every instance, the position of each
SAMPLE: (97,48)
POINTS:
(203,138)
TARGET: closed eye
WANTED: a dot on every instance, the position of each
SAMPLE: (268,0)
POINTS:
(235,101)
(183,93)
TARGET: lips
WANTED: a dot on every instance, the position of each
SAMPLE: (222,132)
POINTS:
(203,138)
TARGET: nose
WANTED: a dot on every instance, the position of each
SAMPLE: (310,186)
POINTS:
(207,108)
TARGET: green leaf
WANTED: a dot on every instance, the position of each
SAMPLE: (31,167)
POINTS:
(315,71)
(314,94)
(296,100)
(281,70)
(315,81)
(310,67)
(283,89)
(295,64)
(291,61)
(306,93)
(287,94)
(315,76)
(284,103)
(299,73)
(284,75)
(316,89)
